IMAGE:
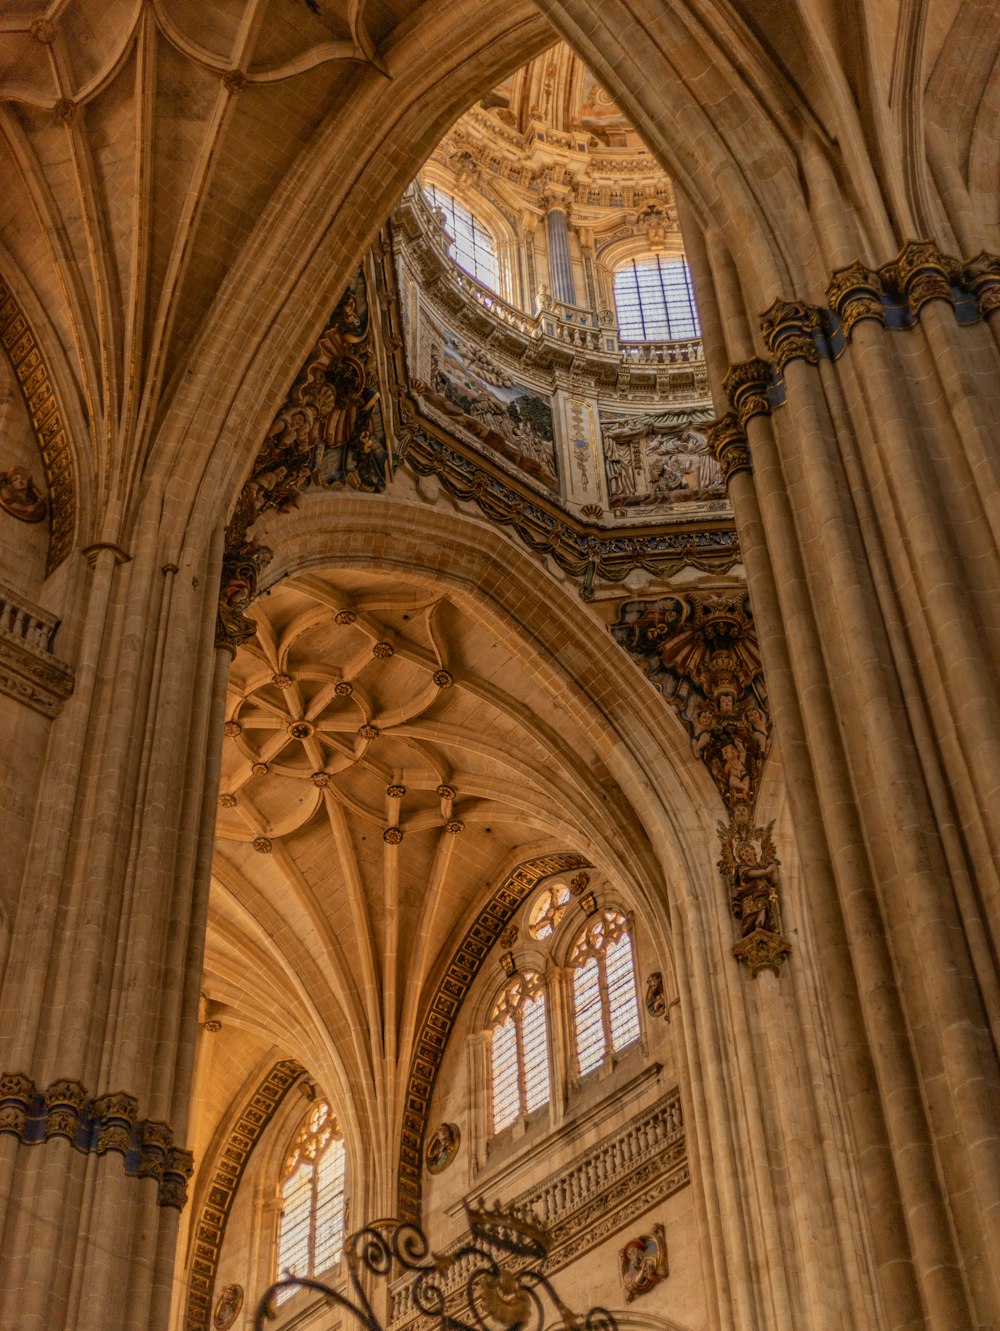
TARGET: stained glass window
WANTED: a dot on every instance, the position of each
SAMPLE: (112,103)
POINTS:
(605,1003)
(519,1051)
(472,247)
(655,301)
(311,1232)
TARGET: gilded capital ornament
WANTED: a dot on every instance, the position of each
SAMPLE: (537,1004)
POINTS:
(982,277)
(924,274)
(789,327)
(728,441)
(855,293)
(746,386)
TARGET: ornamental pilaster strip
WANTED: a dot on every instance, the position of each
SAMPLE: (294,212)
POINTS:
(746,387)
(855,294)
(789,328)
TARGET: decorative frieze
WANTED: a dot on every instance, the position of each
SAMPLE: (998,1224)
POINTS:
(96,1124)
(461,970)
(29,671)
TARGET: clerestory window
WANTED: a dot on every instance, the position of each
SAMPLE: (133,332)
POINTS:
(655,301)
(311,1231)
(605,1003)
(472,246)
(519,1051)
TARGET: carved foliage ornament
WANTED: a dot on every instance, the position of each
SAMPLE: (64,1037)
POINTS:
(701,652)
(96,1124)
(750,866)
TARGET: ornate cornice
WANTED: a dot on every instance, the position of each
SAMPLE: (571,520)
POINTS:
(28,670)
(47,419)
(456,980)
(584,553)
(96,1125)
(213,1215)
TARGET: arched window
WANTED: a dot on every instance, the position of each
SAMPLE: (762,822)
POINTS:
(655,301)
(605,1004)
(311,1233)
(519,1051)
(472,247)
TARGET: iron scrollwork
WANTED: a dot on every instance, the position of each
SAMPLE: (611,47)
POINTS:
(505,1287)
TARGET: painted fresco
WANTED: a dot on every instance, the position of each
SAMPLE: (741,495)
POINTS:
(474,395)
(657,464)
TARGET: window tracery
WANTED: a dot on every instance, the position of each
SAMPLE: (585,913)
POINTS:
(472,246)
(548,911)
(519,1051)
(311,1229)
(605,1002)
(654,297)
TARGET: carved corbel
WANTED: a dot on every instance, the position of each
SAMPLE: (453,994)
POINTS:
(789,328)
(855,293)
(241,570)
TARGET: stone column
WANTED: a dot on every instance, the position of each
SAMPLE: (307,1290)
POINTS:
(99,998)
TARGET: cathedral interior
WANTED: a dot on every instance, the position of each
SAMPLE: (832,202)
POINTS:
(499,635)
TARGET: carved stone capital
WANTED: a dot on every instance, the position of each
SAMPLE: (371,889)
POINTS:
(923,274)
(177,1169)
(16,1095)
(789,327)
(855,293)
(746,386)
(728,441)
(762,950)
(114,1118)
(63,1101)
(982,276)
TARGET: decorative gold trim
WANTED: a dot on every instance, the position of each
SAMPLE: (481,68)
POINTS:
(443,1008)
(746,387)
(48,420)
(727,440)
(789,328)
(96,1124)
(854,294)
(982,277)
(209,1227)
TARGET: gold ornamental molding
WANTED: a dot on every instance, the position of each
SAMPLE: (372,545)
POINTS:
(893,295)
(213,1215)
(455,982)
(96,1125)
(48,421)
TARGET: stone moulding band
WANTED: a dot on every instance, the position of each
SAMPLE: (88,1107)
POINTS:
(893,295)
(96,1125)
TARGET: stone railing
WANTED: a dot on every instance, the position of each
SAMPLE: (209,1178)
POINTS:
(558,338)
(598,1193)
(29,671)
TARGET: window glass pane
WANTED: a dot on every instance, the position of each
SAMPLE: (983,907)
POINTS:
(296,1213)
(590,1043)
(535,1043)
(472,245)
(655,301)
(506,1093)
(329,1225)
(622,1000)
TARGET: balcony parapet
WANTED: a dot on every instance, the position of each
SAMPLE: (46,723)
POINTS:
(29,671)
(560,341)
